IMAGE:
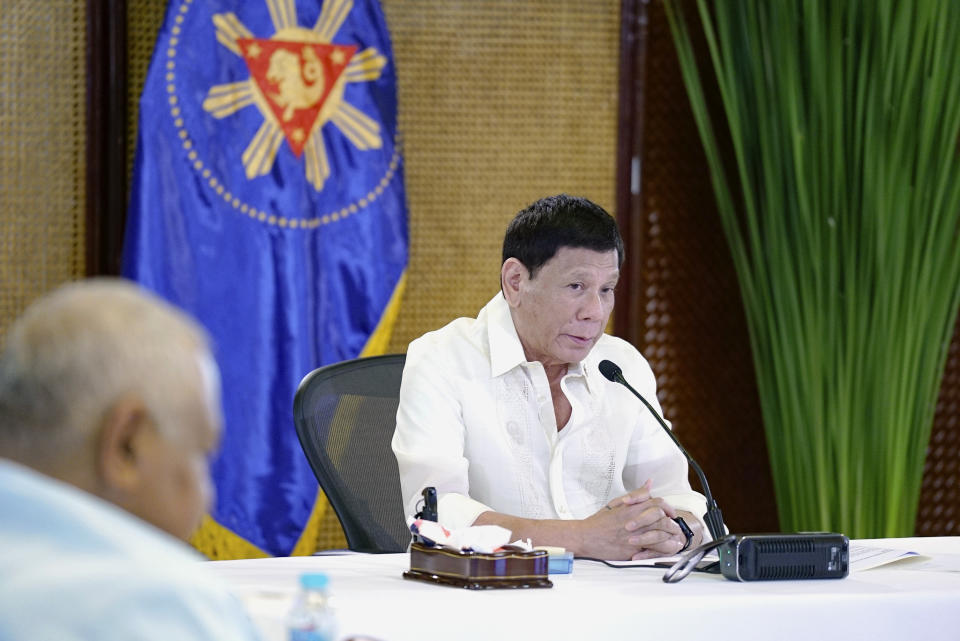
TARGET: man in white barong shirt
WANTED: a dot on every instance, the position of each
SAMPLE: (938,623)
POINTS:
(507,416)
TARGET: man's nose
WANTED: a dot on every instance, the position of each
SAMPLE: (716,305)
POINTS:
(592,308)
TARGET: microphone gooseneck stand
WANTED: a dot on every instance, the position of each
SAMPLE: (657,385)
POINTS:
(713,518)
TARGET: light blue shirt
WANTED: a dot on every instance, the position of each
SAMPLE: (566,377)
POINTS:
(73,566)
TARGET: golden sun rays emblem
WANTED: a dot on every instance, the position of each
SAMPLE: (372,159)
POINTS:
(297,80)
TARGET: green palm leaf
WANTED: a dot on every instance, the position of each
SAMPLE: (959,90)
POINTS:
(842,213)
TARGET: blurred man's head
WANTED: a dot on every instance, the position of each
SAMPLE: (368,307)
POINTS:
(561,263)
(107,387)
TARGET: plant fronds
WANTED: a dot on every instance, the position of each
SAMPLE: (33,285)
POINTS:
(842,213)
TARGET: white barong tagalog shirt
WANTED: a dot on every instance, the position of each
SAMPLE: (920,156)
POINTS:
(476,421)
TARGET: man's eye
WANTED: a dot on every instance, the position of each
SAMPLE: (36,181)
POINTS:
(576,286)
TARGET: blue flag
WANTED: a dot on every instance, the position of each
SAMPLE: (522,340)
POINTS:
(268,201)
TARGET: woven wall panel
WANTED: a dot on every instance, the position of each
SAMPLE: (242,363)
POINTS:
(501,102)
(939,510)
(144,19)
(695,332)
(42,162)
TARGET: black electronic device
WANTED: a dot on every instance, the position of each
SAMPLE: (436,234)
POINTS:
(428,511)
(750,557)
(766,557)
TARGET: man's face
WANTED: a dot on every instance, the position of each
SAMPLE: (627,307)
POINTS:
(176,490)
(561,312)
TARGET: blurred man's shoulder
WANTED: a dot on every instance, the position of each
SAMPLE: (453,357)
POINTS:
(72,562)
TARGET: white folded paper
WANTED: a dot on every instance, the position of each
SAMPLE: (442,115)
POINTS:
(477,538)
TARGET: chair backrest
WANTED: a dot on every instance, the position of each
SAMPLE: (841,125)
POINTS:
(345,415)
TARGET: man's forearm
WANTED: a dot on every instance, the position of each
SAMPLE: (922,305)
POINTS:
(627,529)
(552,532)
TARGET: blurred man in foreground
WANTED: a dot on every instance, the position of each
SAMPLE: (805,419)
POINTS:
(509,418)
(109,410)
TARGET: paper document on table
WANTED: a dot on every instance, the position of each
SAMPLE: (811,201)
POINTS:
(864,557)
(938,563)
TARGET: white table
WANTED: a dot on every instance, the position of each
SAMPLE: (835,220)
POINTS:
(894,601)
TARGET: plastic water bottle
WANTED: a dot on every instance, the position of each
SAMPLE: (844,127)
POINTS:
(312,618)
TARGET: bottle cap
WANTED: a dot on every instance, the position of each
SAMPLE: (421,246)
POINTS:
(314,581)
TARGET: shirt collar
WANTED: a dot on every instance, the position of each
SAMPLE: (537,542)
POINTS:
(587,368)
(506,352)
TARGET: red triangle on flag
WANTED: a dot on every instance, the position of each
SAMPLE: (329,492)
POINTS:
(295,79)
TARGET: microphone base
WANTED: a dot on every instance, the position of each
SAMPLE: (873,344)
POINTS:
(773,557)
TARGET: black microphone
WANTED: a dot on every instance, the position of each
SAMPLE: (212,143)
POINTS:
(713,518)
(752,557)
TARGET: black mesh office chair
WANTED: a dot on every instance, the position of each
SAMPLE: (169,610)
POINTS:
(345,416)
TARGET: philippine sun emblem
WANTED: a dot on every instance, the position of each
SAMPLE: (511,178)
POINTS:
(297,80)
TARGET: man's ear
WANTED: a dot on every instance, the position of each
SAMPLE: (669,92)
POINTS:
(121,447)
(512,275)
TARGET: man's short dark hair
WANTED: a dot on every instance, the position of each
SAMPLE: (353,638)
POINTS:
(536,233)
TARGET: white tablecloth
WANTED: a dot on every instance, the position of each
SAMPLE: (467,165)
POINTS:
(896,601)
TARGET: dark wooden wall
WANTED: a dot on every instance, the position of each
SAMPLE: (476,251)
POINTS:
(683,307)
